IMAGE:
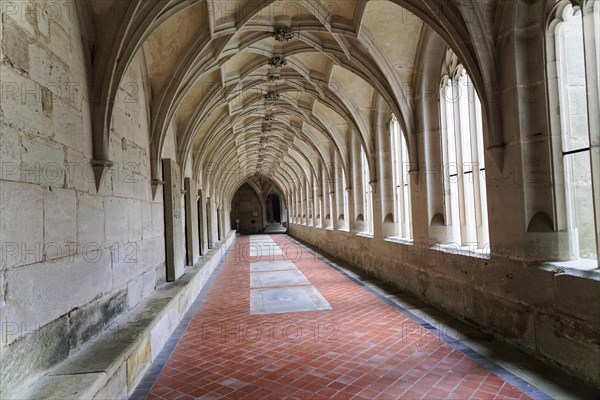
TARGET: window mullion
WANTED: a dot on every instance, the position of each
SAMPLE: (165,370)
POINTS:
(400,187)
(478,186)
(395,176)
(406,190)
(459,163)
(591,35)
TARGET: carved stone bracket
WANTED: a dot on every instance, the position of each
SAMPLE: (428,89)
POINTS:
(100,167)
(373,185)
(155,184)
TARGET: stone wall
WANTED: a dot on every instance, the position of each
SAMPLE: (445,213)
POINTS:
(547,311)
(72,258)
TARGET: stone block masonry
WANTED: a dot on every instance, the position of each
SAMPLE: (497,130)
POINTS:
(543,310)
(72,259)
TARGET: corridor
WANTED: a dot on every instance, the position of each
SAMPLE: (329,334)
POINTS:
(162,160)
(362,346)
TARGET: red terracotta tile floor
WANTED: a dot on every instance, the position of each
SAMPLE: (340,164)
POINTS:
(362,349)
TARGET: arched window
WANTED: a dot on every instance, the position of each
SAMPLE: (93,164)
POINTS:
(463,161)
(401,182)
(568,94)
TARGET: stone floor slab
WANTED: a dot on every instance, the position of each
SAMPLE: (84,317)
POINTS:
(277,278)
(272,266)
(258,238)
(264,254)
(284,300)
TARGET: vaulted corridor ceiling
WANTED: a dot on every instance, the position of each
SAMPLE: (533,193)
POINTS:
(272,88)
(448,149)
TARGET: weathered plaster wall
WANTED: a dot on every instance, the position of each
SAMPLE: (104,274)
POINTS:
(550,312)
(72,258)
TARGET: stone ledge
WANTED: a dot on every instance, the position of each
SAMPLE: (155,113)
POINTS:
(131,343)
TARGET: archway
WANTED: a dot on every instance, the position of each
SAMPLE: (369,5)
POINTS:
(247,211)
(273,208)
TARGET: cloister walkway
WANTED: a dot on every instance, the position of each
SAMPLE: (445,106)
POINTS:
(279,321)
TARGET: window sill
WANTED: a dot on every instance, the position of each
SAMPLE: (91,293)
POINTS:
(584,264)
(365,234)
(467,251)
(394,239)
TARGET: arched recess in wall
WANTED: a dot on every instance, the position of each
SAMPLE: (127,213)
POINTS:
(431,56)
(275,206)
(247,210)
(522,25)
(572,45)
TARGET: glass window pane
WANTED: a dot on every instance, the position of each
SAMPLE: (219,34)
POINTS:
(573,84)
(581,204)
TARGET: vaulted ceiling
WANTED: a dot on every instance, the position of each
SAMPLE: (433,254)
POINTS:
(274,88)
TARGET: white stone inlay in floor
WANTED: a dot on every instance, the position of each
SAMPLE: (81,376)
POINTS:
(256,250)
(272,266)
(254,239)
(259,242)
(282,300)
(277,278)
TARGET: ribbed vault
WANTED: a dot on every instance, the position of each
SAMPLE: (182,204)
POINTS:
(246,104)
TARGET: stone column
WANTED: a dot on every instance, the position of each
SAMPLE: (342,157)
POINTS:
(173,220)
(351,222)
(209,224)
(191,222)
(325,206)
(290,207)
(339,191)
(357,184)
(301,203)
(295,206)
(308,199)
(317,209)
(377,210)
(202,228)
